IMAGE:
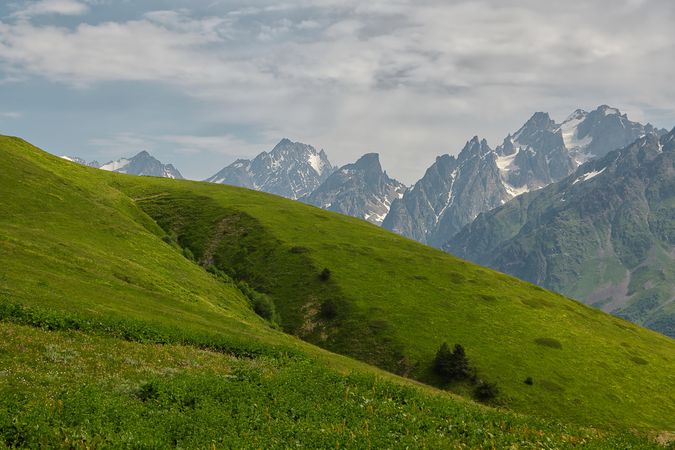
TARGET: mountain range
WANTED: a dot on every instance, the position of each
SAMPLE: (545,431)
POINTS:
(142,164)
(454,190)
(604,235)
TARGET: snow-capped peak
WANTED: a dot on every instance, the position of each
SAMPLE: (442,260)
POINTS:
(291,169)
(609,111)
(116,166)
(578,114)
(574,143)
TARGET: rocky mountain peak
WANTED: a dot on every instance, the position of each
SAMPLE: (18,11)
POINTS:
(539,121)
(290,169)
(370,164)
(576,115)
(475,147)
(607,111)
(361,189)
(668,141)
(454,190)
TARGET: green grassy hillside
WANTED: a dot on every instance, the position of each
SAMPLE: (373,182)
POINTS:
(396,301)
(110,255)
(75,390)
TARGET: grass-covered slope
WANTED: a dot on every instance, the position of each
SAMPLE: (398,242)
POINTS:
(392,302)
(96,251)
(71,242)
(75,390)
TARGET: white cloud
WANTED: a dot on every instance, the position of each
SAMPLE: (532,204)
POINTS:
(196,156)
(407,79)
(123,144)
(224,145)
(120,145)
(10,114)
(45,7)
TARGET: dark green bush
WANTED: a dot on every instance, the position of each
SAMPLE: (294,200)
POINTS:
(262,304)
(188,254)
(325,274)
(264,307)
(329,309)
(485,391)
(298,249)
(148,391)
(452,365)
(529,381)
(548,342)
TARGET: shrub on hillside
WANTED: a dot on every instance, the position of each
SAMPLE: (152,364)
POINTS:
(329,309)
(298,249)
(485,391)
(171,238)
(148,391)
(529,381)
(325,274)
(264,307)
(188,254)
(262,304)
(452,365)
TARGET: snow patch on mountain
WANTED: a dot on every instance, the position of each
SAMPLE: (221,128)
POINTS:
(589,175)
(316,162)
(514,191)
(116,166)
(505,163)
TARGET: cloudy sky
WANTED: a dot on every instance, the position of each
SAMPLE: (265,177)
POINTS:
(201,83)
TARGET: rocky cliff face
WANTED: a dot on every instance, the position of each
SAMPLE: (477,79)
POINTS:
(291,169)
(604,235)
(361,189)
(589,135)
